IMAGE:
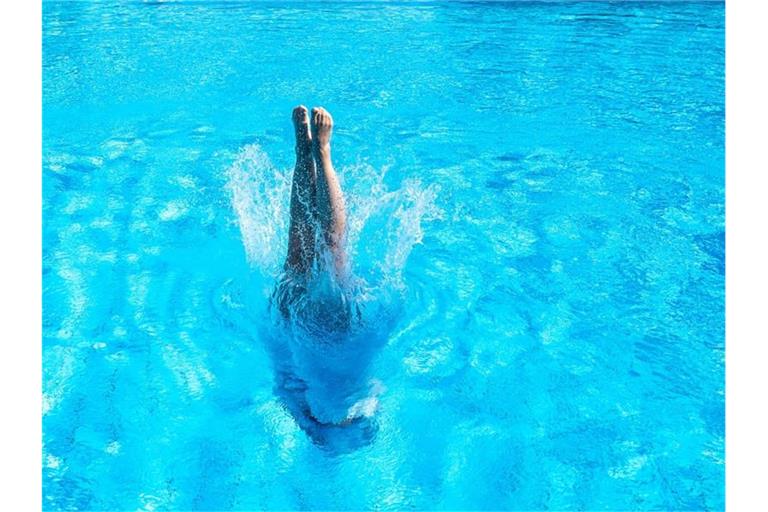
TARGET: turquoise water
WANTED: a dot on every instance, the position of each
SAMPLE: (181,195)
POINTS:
(536,204)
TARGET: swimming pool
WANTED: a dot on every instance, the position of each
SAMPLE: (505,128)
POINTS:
(536,201)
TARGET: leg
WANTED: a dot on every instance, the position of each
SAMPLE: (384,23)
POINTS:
(329,200)
(301,233)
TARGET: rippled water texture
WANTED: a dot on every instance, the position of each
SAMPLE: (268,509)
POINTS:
(536,220)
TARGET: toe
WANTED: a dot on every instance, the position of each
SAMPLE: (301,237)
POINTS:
(300,114)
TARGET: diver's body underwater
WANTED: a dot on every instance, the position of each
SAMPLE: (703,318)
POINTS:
(320,365)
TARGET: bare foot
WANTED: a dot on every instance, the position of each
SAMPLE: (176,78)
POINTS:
(303,135)
(322,126)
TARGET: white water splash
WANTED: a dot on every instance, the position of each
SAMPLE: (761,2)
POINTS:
(383,225)
(261,199)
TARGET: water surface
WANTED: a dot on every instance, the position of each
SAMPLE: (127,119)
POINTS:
(536,209)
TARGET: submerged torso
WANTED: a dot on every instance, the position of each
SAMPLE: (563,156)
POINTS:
(324,348)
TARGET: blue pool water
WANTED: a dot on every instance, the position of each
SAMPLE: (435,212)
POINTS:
(535,193)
